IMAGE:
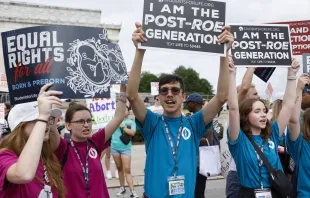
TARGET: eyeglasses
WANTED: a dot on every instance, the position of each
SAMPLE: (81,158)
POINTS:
(82,122)
(174,90)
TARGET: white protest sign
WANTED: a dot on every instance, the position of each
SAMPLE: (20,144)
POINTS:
(3,83)
(2,116)
(103,110)
(225,154)
(154,88)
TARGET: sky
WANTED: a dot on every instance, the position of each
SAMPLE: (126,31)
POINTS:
(127,12)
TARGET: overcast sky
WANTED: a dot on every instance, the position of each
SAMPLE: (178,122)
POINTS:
(127,12)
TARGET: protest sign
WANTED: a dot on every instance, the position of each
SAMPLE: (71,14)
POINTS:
(264,73)
(3,83)
(2,116)
(102,109)
(184,25)
(306,69)
(154,88)
(225,154)
(300,36)
(261,45)
(80,61)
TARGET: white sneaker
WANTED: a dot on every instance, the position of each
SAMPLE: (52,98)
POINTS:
(108,175)
(121,192)
(134,194)
(116,174)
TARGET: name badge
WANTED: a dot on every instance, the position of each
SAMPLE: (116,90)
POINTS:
(263,194)
(46,192)
(176,185)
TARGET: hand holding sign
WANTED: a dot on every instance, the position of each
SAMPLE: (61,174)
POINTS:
(294,67)
(45,101)
(303,81)
(138,36)
(226,37)
(232,68)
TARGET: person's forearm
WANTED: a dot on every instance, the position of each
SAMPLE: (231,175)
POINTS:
(54,138)
(290,93)
(232,96)
(296,112)
(28,160)
(246,84)
(119,114)
(135,76)
(223,84)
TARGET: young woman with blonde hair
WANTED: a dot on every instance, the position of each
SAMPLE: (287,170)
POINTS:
(28,167)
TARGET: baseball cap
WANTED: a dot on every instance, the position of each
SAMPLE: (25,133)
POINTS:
(195,97)
(26,112)
(279,96)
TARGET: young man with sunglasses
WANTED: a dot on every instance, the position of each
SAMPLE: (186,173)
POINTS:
(172,139)
(156,108)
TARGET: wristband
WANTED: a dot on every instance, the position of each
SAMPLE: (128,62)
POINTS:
(39,120)
(291,78)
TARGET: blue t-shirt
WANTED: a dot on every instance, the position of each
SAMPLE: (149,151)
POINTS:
(298,148)
(246,159)
(116,142)
(159,159)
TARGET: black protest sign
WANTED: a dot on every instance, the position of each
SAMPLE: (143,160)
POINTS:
(80,61)
(184,25)
(264,73)
(261,45)
(306,69)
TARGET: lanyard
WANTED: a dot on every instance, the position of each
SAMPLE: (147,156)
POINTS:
(174,151)
(45,177)
(260,164)
(85,169)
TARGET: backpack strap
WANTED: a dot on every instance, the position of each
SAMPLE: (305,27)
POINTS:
(147,148)
(65,157)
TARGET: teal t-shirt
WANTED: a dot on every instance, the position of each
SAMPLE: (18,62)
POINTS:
(300,152)
(246,159)
(159,159)
(116,142)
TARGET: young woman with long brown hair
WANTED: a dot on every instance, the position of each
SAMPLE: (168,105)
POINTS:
(249,121)
(298,141)
(28,167)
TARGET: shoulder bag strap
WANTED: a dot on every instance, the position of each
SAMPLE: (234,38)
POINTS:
(262,157)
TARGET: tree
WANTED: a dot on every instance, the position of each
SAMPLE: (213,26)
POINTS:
(145,83)
(192,81)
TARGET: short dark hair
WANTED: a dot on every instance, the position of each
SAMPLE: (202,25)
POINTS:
(75,107)
(171,79)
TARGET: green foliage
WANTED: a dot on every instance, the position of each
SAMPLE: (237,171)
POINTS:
(145,83)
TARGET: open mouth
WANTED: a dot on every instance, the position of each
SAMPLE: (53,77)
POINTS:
(86,131)
(170,102)
(263,121)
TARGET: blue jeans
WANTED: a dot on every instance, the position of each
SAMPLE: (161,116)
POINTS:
(121,153)
(232,185)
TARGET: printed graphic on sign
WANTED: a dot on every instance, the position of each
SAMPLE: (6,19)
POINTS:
(184,25)
(306,69)
(80,61)
(300,36)
(2,113)
(261,45)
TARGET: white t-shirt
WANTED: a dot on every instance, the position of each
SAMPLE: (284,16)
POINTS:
(156,109)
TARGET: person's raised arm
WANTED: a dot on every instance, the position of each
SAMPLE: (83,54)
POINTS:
(119,115)
(294,124)
(24,170)
(54,136)
(234,116)
(212,108)
(246,84)
(135,101)
(289,97)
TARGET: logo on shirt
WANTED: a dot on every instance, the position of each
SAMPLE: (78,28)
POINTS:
(92,153)
(271,144)
(186,133)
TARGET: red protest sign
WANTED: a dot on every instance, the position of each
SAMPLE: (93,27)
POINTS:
(300,36)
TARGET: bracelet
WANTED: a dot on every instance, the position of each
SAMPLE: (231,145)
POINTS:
(39,120)
(291,78)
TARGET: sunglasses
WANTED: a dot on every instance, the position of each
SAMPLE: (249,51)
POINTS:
(174,90)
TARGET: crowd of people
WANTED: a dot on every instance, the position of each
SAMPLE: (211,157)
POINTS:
(37,162)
